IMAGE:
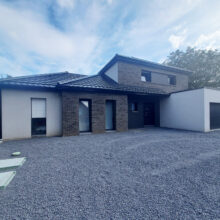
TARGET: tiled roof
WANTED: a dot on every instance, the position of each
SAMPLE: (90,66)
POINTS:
(99,82)
(65,80)
(42,80)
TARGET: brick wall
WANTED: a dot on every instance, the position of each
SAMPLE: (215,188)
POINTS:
(130,74)
(70,109)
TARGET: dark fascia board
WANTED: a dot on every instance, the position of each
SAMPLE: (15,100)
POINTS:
(99,90)
(132,60)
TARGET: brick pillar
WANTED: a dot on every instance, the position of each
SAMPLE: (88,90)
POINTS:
(70,113)
(122,113)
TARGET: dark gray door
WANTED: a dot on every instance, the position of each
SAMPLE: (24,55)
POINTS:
(84,115)
(149,114)
(214,115)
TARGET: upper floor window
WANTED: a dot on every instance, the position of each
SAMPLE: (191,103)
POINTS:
(145,76)
(172,80)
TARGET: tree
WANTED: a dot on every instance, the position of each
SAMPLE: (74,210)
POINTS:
(205,65)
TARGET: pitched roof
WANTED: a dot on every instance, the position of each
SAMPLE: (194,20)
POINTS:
(65,80)
(104,83)
(49,80)
(142,62)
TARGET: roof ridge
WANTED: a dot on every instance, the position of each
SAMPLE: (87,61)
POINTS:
(62,82)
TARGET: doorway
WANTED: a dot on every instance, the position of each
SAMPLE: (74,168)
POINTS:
(110,115)
(38,116)
(149,114)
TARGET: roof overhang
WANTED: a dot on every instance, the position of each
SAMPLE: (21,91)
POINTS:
(108,91)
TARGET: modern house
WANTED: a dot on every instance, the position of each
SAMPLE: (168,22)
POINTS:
(126,93)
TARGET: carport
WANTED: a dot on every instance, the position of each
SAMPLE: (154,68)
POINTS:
(196,110)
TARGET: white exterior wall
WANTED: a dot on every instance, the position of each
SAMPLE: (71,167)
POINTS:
(184,110)
(113,72)
(211,96)
(16,113)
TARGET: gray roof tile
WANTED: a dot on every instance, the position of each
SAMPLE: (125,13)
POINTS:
(105,83)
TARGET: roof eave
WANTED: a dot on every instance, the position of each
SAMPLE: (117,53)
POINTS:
(86,89)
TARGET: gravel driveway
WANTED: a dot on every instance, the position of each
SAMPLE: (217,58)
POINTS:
(140,174)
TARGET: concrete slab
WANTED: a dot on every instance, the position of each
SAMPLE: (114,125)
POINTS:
(11,163)
(6,178)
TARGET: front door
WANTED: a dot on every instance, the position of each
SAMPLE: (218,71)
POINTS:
(149,114)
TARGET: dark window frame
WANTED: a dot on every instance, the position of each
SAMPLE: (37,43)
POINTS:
(147,75)
(39,118)
(172,80)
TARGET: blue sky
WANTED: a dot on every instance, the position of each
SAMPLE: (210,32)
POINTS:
(81,36)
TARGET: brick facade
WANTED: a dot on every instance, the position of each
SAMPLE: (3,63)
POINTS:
(70,109)
(130,74)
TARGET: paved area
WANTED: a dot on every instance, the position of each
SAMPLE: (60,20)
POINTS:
(139,174)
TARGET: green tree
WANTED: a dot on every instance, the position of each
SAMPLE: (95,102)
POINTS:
(205,65)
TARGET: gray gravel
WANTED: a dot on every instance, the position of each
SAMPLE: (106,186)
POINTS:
(140,174)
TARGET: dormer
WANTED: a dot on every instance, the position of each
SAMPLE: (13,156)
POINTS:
(138,72)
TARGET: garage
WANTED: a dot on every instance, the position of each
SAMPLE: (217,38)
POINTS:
(194,110)
(214,115)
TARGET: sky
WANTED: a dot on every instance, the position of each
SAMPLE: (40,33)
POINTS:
(81,36)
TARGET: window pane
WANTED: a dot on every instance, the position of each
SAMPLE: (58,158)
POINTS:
(38,126)
(146,76)
(143,78)
(134,107)
(109,115)
(84,115)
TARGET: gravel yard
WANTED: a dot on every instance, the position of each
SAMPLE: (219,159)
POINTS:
(140,174)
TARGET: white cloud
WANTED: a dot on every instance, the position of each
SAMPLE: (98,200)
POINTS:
(109,2)
(67,4)
(25,32)
(177,40)
(208,41)
(46,37)
(152,20)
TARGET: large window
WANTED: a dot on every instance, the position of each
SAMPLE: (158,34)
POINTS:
(145,76)
(38,116)
(84,115)
(110,115)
